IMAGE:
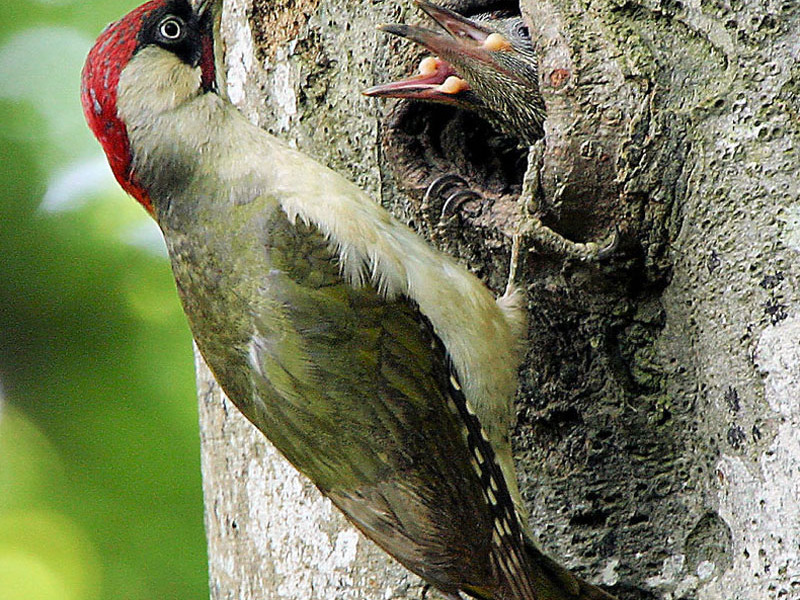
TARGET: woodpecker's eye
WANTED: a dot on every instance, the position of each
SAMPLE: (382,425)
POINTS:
(171,29)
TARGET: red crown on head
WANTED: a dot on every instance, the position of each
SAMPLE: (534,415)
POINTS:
(109,55)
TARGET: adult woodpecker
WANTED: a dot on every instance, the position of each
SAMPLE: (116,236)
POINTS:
(379,367)
(486,64)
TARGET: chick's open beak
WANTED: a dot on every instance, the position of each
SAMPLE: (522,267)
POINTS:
(459,36)
(436,81)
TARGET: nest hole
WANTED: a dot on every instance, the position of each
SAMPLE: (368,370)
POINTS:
(440,139)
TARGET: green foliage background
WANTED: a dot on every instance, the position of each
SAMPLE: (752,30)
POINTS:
(100,492)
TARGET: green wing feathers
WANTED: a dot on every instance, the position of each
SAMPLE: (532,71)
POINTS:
(358,392)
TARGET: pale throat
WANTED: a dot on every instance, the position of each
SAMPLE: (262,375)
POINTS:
(140,95)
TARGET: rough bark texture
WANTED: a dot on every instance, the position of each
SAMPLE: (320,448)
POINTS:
(659,415)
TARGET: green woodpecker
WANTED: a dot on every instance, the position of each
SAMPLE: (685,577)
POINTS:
(379,367)
(485,63)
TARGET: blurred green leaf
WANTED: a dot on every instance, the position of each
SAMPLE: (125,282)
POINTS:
(100,493)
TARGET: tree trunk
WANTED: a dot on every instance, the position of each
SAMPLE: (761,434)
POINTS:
(658,438)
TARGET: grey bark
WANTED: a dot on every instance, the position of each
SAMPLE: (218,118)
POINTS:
(658,440)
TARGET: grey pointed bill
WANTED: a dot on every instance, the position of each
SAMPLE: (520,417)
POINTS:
(201,6)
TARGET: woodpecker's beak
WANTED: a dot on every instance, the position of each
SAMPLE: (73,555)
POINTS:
(461,36)
(201,6)
(438,80)
(205,12)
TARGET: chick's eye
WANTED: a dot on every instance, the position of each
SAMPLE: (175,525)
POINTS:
(171,29)
(522,31)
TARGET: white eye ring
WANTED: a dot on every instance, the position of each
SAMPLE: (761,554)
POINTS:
(171,29)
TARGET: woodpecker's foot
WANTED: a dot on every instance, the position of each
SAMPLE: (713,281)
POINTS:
(445,198)
(513,263)
(448,595)
(542,237)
